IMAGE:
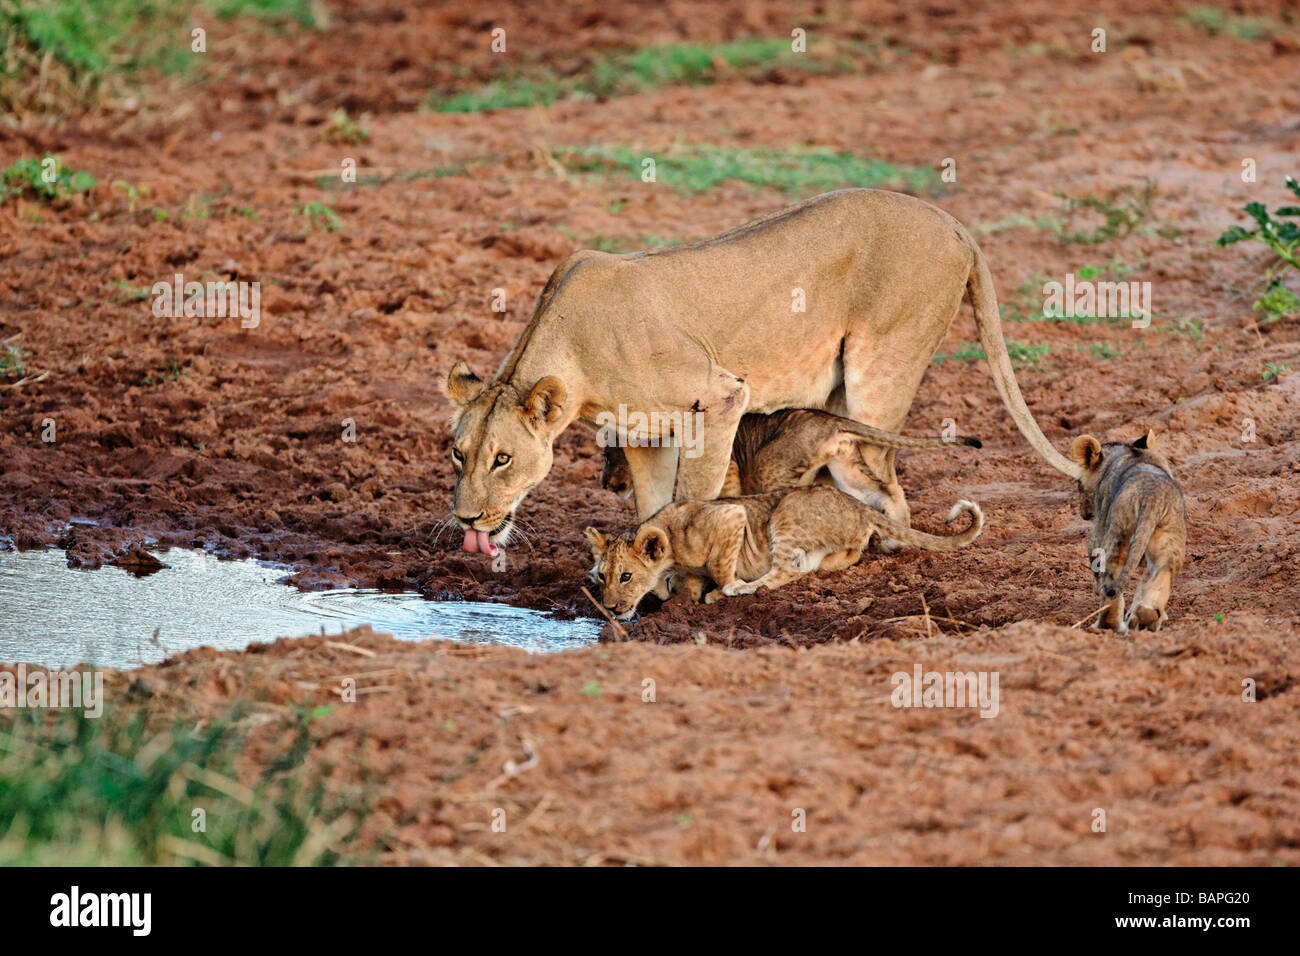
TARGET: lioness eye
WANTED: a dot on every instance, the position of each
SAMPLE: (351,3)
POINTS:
(601,576)
(501,460)
(456,456)
(625,576)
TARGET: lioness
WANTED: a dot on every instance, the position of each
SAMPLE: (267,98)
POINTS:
(743,544)
(1136,507)
(707,329)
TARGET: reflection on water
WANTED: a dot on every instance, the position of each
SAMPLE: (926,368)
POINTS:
(57,617)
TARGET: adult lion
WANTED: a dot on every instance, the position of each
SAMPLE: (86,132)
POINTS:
(711,330)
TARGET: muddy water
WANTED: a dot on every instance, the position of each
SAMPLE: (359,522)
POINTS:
(57,617)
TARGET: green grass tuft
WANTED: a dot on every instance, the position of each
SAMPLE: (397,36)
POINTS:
(45,179)
(117,791)
(796,171)
(625,73)
(1023,355)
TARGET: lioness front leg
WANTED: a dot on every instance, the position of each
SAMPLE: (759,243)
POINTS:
(653,472)
(703,464)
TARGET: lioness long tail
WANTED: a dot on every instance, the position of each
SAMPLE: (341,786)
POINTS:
(935,542)
(984,301)
(1148,518)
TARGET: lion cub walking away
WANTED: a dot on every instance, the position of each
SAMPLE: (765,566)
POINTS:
(1136,507)
(788,448)
(743,544)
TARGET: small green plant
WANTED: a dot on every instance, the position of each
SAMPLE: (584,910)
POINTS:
(133,193)
(320,217)
(171,373)
(1099,350)
(342,130)
(1189,326)
(196,207)
(1282,236)
(1215,22)
(47,180)
(11,363)
(130,293)
(592,689)
(1278,302)
(1272,371)
(1121,212)
(1022,354)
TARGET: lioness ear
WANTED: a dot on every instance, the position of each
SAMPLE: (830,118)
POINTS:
(461,385)
(1146,441)
(652,543)
(546,400)
(1086,452)
(598,541)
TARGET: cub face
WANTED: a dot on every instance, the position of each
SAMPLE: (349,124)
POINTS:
(628,567)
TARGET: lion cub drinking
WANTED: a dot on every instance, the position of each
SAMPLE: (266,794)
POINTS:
(743,544)
(1136,507)
(788,448)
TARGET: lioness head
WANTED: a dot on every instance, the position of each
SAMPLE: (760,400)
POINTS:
(501,449)
(628,567)
(1091,455)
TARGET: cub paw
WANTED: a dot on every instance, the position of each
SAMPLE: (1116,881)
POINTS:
(736,588)
(1149,618)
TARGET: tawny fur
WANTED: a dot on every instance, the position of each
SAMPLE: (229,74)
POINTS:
(743,544)
(707,328)
(1129,493)
(792,448)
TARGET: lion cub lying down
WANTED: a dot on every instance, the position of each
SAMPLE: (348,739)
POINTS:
(789,447)
(1136,508)
(743,544)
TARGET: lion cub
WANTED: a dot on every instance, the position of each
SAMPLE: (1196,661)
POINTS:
(1136,507)
(789,447)
(743,544)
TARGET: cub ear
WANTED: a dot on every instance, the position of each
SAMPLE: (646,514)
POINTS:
(545,402)
(1085,452)
(598,541)
(651,543)
(1147,441)
(461,385)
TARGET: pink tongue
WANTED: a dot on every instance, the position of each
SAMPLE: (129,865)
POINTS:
(476,541)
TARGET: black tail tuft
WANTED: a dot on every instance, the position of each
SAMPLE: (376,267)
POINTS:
(974,443)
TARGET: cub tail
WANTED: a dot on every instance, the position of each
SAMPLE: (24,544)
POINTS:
(889,528)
